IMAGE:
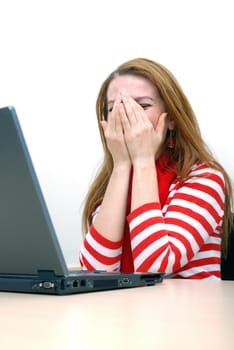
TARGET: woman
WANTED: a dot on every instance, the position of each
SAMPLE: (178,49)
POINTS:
(160,201)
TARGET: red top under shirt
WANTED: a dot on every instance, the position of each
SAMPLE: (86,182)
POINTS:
(181,235)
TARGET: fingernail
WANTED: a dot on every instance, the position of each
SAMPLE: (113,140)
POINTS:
(122,91)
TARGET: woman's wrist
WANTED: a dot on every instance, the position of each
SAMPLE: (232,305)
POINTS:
(122,167)
(142,163)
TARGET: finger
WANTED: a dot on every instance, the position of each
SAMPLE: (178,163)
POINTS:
(103,124)
(125,123)
(118,117)
(134,111)
(129,110)
(113,115)
(161,125)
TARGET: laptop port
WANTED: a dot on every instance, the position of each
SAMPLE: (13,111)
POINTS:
(82,283)
(48,284)
(124,281)
(75,284)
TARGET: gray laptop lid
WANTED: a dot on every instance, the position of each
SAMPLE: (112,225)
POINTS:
(27,235)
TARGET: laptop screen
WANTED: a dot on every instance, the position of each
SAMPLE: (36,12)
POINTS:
(28,242)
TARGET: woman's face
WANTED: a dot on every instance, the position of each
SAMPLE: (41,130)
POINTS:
(141,90)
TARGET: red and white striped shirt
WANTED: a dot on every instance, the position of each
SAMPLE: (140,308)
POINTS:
(181,238)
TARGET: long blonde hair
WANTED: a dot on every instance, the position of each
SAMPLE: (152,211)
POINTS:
(189,145)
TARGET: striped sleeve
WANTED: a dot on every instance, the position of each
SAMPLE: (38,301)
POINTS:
(99,253)
(183,237)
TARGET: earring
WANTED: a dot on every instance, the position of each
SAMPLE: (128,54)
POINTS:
(170,143)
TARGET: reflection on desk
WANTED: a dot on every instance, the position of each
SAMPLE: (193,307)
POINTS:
(177,314)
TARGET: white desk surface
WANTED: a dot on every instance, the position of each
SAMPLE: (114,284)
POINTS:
(176,314)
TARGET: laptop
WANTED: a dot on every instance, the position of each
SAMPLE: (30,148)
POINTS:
(31,259)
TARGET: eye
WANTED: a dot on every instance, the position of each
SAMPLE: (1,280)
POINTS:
(110,107)
(145,105)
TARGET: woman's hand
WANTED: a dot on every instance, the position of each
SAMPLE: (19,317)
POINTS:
(113,132)
(143,139)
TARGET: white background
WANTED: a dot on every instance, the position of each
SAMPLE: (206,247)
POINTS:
(54,55)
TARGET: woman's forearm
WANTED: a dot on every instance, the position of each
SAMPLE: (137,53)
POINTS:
(145,184)
(111,217)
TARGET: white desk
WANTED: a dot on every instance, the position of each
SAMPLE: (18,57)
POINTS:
(177,314)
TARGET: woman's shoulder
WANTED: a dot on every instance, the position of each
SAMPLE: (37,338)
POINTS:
(206,174)
(202,179)
(202,173)
(204,169)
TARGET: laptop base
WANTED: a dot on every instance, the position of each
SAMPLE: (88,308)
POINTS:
(46,282)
